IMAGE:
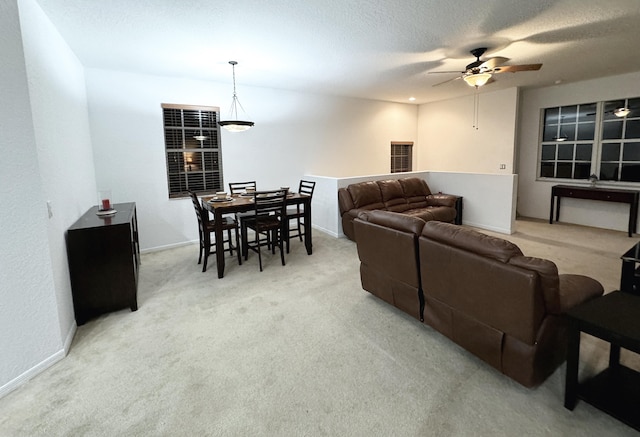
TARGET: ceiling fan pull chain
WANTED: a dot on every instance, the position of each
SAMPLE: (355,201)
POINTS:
(476,108)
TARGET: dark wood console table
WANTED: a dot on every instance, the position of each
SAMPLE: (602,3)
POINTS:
(592,193)
(104,257)
(616,390)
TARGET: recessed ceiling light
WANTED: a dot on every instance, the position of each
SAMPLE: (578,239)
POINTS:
(412,99)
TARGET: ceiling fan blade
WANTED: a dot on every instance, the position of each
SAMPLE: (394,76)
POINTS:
(516,68)
(447,81)
(492,63)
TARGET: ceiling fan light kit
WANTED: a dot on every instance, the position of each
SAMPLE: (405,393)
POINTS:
(477,79)
(235,125)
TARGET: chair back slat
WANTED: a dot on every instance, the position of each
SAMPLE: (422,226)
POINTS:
(269,202)
(239,187)
(306,187)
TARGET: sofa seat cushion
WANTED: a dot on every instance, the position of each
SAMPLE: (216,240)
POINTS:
(442,213)
(428,213)
(421,213)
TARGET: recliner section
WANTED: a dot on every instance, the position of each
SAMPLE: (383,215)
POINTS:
(478,290)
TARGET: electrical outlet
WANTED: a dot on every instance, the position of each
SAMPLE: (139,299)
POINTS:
(503,166)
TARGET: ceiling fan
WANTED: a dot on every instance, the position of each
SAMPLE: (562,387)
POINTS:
(480,72)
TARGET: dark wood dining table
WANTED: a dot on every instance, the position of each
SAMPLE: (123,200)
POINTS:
(243,203)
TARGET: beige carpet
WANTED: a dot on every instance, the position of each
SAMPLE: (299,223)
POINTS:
(300,350)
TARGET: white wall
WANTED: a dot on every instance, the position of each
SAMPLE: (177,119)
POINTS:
(533,195)
(30,335)
(295,134)
(449,142)
(61,121)
(488,200)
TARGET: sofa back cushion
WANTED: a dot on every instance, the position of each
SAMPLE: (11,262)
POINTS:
(470,273)
(415,191)
(393,195)
(366,195)
(387,242)
(472,241)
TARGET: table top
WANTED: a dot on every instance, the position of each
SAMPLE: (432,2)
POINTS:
(243,202)
(590,188)
(632,254)
(616,312)
(91,220)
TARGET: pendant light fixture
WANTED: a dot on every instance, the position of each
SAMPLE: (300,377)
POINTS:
(235,125)
(621,112)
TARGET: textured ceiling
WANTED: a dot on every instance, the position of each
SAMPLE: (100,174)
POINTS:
(377,49)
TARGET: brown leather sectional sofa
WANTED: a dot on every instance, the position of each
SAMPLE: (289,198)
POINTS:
(409,196)
(480,291)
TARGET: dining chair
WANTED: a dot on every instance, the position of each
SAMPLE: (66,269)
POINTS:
(297,213)
(206,228)
(268,221)
(239,188)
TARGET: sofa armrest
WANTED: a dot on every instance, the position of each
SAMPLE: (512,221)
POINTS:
(442,200)
(345,202)
(560,292)
(576,289)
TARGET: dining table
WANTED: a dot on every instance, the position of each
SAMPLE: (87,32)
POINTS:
(237,203)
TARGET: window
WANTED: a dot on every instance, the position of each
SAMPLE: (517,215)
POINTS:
(567,141)
(620,154)
(401,154)
(592,138)
(192,145)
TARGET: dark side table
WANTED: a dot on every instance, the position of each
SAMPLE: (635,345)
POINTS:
(630,275)
(615,318)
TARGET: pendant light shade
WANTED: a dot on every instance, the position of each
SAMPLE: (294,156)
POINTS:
(235,125)
(621,112)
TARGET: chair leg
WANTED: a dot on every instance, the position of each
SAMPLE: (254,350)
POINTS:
(230,244)
(286,234)
(273,238)
(259,251)
(299,229)
(201,244)
(238,251)
(245,239)
(207,252)
(280,244)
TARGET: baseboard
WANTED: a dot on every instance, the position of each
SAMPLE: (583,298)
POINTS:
(42,366)
(168,246)
(34,371)
(69,339)
(488,228)
(325,231)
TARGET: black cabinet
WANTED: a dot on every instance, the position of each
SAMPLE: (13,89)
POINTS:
(104,258)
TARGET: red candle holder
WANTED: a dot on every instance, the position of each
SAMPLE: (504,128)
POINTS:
(104,200)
